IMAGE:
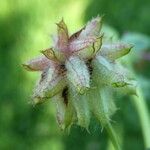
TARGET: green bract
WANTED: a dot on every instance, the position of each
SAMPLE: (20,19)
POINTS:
(80,74)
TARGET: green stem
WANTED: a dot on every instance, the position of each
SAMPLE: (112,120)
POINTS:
(142,110)
(112,136)
(120,132)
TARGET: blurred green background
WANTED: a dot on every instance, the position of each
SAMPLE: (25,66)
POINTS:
(25,29)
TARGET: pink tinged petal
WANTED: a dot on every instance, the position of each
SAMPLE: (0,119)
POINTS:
(37,64)
(78,45)
(78,74)
(63,36)
(91,50)
(115,50)
(92,28)
(54,55)
(51,83)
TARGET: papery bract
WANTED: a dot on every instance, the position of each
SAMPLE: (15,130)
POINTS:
(37,64)
(77,74)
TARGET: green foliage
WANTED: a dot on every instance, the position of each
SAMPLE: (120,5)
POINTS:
(129,15)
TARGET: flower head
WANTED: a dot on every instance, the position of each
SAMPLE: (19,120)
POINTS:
(76,72)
